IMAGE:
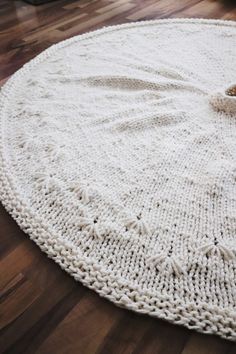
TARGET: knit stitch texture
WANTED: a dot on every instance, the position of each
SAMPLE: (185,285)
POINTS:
(118,158)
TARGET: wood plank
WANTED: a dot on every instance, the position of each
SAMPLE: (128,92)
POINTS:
(89,322)
(206,345)
(17,302)
(164,8)
(16,262)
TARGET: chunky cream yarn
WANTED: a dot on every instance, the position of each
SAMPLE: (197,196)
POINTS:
(118,159)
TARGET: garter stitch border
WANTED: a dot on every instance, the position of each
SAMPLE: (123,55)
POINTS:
(207,319)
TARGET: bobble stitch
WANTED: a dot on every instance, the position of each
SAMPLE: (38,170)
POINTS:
(164,262)
(82,192)
(137,224)
(90,225)
(218,249)
(54,151)
(26,142)
(45,181)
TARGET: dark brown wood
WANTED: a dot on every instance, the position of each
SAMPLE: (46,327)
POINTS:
(43,310)
(38,2)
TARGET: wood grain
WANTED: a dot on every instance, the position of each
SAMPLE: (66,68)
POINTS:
(43,310)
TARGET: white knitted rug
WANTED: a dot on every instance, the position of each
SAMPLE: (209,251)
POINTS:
(118,158)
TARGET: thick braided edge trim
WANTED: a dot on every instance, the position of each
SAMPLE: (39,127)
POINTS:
(200,317)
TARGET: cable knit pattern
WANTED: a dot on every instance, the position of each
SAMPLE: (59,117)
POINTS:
(118,158)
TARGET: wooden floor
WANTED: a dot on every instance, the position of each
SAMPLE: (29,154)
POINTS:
(43,310)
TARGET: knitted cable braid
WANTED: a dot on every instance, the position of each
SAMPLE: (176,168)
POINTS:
(118,158)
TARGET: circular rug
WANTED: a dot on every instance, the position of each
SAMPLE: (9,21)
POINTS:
(118,158)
